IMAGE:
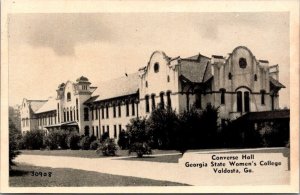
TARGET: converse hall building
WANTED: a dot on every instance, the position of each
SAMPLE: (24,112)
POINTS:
(237,84)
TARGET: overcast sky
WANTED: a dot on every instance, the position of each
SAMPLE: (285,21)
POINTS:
(48,49)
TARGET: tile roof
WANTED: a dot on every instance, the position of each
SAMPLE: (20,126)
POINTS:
(36,104)
(122,86)
(265,115)
(194,68)
(276,83)
(48,106)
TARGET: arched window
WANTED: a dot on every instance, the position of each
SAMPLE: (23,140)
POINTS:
(153,101)
(222,96)
(247,101)
(127,108)
(71,114)
(68,96)
(242,62)
(58,112)
(255,77)
(65,118)
(169,103)
(86,114)
(133,108)
(156,67)
(77,114)
(198,102)
(68,114)
(162,103)
(239,101)
(147,103)
(262,97)
(229,76)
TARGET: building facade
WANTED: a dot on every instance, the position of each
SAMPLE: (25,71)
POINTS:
(237,84)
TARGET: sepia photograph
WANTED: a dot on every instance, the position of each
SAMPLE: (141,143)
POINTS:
(158,99)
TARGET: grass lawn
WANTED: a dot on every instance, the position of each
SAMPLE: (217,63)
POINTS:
(21,176)
(86,153)
(165,159)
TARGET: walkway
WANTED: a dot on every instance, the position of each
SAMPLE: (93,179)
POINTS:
(174,172)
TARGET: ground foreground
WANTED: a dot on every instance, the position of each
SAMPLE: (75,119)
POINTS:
(22,176)
(162,166)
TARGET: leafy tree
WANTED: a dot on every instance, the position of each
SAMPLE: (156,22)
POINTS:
(108,147)
(85,143)
(123,141)
(138,137)
(14,134)
(162,126)
(56,139)
(73,140)
(33,139)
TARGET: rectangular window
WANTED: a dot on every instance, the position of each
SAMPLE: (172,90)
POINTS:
(97,131)
(71,114)
(103,129)
(262,97)
(247,101)
(127,109)
(198,103)
(115,131)
(147,104)
(86,114)
(92,111)
(133,108)
(222,97)
(162,103)
(68,116)
(153,101)
(119,107)
(77,115)
(102,113)
(93,130)
(107,114)
(107,130)
(169,103)
(114,110)
(120,129)
(96,113)
(239,101)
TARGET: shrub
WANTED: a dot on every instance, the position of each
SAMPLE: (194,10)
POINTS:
(73,140)
(108,148)
(85,143)
(13,144)
(33,139)
(104,136)
(56,139)
(123,141)
(94,144)
(138,137)
(162,126)
(140,149)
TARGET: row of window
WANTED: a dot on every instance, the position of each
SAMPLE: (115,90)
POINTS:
(230,76)
(105,128)
(70,115)
(162,102)
(117,111)
(48,120)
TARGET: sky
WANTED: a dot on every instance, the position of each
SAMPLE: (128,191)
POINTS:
(48,49)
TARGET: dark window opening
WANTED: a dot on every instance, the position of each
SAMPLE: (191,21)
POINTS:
(242,62)
(133,108)
(68,115)
(92,111)
(127,109)
(107,129)
(222,96)
(58,113)
(86,130)
(255,77)
(198,102)
(153,101)
(169,102)
(68,96)
(247,101)
(86,114)
(147,103)
(102,113)
(146,84)
(162,103)
(239,101)
(96,113)
(119,107)
(156,67)
(71,115)
(107,112)
(263,97)
(229,76)
(168,79)
(114,111)
(77,115)
(115,131)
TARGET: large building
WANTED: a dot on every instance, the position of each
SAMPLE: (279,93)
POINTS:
(237,84)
